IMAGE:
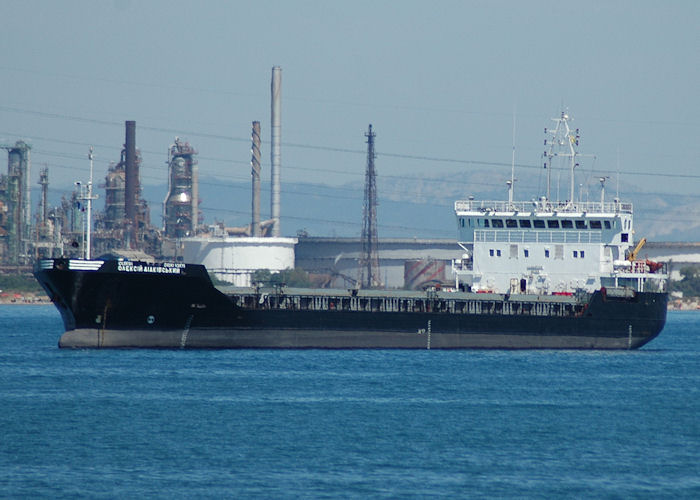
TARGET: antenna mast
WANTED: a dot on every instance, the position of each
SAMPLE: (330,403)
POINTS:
(86,195)
(563,143)
(369,262)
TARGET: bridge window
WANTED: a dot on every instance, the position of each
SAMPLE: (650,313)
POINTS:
(553,224)
(486,223)
(538,223)
(580,224)
(497,223)
(567,224)
(525,223)
(595,224)
(607,224)
(511,223)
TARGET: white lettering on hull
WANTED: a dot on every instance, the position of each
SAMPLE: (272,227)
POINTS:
(165,268)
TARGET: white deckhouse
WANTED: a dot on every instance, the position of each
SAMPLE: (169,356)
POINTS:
(545,247)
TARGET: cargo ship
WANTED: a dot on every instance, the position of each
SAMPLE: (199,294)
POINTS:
(532,275)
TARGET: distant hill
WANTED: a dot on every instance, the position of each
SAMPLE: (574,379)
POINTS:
(319,210)
(422,208)
(408,207)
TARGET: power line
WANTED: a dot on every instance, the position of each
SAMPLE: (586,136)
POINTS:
(452,181)
(357,191)
(459,161)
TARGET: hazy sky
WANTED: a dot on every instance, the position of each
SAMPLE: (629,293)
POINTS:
(438,80)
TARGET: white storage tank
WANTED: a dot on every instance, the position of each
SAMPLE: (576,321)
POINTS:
(235,259)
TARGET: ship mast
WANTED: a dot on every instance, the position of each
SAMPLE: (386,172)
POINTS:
(562,143)
(86,195)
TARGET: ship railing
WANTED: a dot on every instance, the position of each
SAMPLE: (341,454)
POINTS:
(489,235)
(655,269)
(431,302)
(542,206)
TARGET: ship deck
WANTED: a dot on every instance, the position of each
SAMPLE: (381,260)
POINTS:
(435,301)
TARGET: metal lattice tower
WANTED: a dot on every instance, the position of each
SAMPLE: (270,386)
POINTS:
(369,262)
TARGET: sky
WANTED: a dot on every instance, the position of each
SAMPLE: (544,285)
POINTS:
(449,86)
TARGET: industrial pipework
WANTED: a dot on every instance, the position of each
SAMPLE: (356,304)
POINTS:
(255,173)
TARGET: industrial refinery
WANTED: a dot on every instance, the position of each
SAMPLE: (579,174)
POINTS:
(110,217)
(78,228)
(122,227)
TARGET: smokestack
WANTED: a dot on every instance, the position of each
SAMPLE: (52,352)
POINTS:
(276,138)
(132,174)
(195,195)
(44,183)
(255,172)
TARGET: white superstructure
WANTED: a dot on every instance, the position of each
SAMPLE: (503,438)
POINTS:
(546,247)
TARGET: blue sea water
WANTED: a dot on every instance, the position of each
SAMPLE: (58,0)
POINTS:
(350,424)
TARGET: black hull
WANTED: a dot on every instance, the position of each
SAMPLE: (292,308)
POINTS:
(111,308)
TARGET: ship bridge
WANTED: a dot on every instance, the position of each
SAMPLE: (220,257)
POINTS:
(541,246)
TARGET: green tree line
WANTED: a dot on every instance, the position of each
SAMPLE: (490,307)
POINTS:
(289,277)
(689,283)
(19,283)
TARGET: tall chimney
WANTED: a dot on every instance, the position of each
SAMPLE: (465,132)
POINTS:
(195,195)
(275,153)
(255,172)
(132,175)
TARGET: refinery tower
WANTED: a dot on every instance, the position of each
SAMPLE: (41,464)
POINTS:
(181,206)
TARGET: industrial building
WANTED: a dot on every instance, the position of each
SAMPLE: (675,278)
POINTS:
(125,222)
(15,205)
(181,206)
